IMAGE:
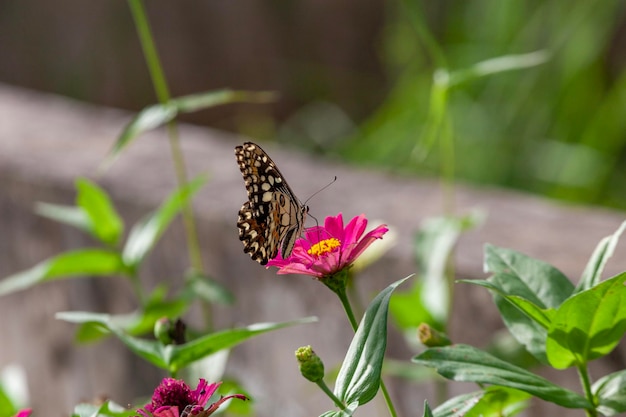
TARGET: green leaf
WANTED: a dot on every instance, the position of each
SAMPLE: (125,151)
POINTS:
(145,234)
(459,405)
(348,412)
(500,402)
(195,102)
(589,325)
(427,411)
(536,281)
(497,65)
(593,271)
(104,222)
(466,363)
(95,326)
(84,262)
(610,391)
(71,215)
(184,355)
(175,357)
(539,315)
(359,376)
(159,114)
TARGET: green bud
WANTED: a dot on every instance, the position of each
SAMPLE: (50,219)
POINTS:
(162,329)
(311,366)
(168,332)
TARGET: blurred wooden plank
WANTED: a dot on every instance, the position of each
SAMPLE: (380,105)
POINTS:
(47,141)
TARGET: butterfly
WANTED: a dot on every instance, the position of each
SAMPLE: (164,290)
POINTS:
(273,217)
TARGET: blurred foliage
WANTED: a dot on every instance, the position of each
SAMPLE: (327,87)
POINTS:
(558,129)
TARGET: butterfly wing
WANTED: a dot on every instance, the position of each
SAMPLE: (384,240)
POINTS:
(273,217)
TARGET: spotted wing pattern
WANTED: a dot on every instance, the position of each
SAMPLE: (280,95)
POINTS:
(273,217)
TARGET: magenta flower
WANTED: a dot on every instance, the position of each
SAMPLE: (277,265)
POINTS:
(174,398)
(326,250)
(24,413)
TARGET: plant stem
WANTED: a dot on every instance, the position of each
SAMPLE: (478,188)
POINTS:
(348,309)
(330,394)
(163,94)
(585,382)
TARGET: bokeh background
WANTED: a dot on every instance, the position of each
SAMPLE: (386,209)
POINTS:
(355,78)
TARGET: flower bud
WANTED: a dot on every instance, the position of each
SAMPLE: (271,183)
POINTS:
(169,333)
(311,366)
(431,337)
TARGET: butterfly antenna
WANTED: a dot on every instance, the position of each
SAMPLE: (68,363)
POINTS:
(319,191)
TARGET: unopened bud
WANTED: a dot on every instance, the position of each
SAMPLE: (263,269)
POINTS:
(311,366)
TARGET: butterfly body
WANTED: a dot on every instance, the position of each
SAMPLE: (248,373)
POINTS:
(273,218)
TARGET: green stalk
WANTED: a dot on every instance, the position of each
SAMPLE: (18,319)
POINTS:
(586,384)
(163,94)
(330,394)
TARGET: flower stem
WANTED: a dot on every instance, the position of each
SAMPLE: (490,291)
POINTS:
(585,382)
(161,89)
(341,293)
(330,394)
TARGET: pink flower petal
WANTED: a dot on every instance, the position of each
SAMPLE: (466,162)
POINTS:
(368,239)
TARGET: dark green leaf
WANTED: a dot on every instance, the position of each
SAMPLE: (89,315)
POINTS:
(610,391)
(427,411)
(145,234)
(104,222)
(588,325)
(541,316)
(536,281)
(359,376)
(593,271)
(84,262)
(466,363)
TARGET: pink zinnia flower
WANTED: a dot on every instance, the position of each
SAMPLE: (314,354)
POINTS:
(326,250)
(24,413)
(174,398)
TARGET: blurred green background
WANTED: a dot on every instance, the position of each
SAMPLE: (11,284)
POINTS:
(356,79)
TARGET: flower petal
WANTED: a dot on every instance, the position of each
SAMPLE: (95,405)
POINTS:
(204,391)
(334,226)
(356,250)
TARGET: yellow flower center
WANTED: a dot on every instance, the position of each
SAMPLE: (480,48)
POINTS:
(324,246)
